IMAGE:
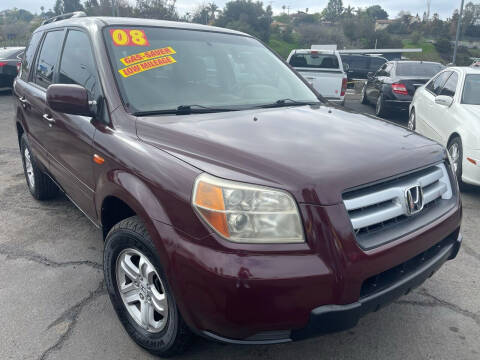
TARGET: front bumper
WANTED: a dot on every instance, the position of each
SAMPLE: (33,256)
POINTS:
(471,171)
(332,318)
(260,294)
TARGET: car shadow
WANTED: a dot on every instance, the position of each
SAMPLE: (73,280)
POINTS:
(6,92)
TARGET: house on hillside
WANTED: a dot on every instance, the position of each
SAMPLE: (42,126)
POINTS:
(383,24)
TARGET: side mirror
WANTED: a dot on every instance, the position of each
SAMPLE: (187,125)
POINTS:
(444,100)
(69,99)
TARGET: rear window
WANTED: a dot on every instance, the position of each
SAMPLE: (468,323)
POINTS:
(356,62)
(321,61)
(426,70)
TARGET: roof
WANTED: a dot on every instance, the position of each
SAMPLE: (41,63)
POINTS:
(102,21)
(309,51)
(379,51)
(12,47)
(415,62)
(466,69)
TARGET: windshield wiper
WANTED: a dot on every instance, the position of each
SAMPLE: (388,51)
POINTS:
(289,102)
(184,110)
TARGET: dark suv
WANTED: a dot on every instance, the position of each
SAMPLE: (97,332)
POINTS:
(235,203)
(360,65)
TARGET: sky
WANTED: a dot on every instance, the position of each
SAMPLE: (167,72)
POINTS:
(393,7)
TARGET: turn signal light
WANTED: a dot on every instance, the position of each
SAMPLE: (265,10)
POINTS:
(399,89)
(210,203)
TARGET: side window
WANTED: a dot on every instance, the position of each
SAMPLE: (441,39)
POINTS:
(29,54)
(450,86)
(47,59)
(358,62)
(436,84)
(440,82)
(77,65)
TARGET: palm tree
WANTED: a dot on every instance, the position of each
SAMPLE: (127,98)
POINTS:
(212,9)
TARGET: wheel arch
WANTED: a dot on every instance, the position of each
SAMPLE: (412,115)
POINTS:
(453,135)
(126,195)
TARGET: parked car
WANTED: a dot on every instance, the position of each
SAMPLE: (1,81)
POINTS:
(244,209)
(324,70)
(447,110)
(360,65)
(392,87)
(9,61)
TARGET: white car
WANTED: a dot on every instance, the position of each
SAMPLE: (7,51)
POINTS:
(447,109)
(323,69)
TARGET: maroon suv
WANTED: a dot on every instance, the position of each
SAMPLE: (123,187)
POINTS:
(235,203)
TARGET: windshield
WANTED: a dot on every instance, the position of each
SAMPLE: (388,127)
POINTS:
(6,53)
(315,60)
(424,70)
(471,90)
(161,69)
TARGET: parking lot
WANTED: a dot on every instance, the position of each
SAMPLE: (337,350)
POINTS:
(54,305)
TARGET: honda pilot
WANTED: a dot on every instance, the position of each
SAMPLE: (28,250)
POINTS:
(235,202)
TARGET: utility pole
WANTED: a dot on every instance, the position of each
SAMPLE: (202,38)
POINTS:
(114,8)
(459,28)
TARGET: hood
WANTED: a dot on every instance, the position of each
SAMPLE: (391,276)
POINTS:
(315,152)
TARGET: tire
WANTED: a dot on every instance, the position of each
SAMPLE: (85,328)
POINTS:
(455,150)
(380,109)
(40,185)
(412,121)
(125,242)
(364,99)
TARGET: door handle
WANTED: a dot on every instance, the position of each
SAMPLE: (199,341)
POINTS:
(49,119)
(24,101)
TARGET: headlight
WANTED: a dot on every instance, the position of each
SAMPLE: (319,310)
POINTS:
(247,213)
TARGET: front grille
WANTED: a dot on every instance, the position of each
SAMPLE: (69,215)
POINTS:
(388,278)
(379,213)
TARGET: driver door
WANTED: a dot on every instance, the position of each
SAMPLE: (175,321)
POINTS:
(71,145)
(442,118)
(426,109)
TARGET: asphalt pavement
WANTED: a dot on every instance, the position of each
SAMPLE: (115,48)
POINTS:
(53,304)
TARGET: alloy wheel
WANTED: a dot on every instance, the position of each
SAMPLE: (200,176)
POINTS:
(141,290)
(29,168)
(411,121)
(379,106)
(454,155)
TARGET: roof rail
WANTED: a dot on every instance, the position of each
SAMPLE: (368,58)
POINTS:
(64,16)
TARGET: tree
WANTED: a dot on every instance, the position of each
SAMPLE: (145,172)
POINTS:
(71,6)
(58,7)
(377,13)
(333,11)
(212,9)
(247,16)
(156,9)
(92,8)
(201,15)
